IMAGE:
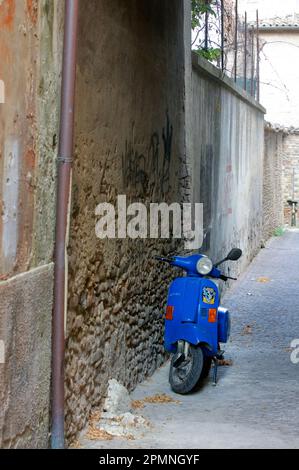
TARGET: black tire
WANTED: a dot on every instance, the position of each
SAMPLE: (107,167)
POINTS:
(207,363)
(183,379)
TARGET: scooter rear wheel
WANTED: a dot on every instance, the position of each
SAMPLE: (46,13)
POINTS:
(184,378)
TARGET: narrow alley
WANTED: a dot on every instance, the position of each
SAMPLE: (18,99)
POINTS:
(149,195)
(255,403)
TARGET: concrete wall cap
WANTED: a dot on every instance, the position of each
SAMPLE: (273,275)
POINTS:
(203,67)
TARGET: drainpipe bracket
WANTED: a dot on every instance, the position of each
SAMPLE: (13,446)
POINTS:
(65,160)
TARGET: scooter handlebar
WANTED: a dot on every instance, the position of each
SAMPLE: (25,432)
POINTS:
(217,274)
(226,278)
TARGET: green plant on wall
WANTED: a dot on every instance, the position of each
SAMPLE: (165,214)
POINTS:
(210,53)
(200,8)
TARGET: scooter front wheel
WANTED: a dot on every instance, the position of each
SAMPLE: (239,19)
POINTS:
(184,378)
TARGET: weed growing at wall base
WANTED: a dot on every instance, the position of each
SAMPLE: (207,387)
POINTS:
(155,220)
(279,231)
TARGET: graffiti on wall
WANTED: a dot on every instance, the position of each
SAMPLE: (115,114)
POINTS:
(148,173)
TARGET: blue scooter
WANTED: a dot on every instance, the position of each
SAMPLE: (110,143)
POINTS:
(195,324)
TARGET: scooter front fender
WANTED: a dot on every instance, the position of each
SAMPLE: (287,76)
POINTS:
(191,333)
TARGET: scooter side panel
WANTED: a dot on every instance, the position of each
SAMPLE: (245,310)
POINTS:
(184,296)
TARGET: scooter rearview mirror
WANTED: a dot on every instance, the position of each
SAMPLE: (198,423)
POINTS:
(234,254)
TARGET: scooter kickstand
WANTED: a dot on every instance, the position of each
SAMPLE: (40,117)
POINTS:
(215,370)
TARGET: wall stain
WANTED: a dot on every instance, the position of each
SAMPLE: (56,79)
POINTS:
(7,13)
(32,10)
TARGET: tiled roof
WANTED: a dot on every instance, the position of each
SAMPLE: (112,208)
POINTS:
(279,128)
(291,21)
(288,22)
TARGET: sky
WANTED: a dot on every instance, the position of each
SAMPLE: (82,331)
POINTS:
(269,8)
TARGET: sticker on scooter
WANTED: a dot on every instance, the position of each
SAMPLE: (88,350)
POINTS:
(208,295)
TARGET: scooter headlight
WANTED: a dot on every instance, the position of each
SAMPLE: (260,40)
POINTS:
(204,266)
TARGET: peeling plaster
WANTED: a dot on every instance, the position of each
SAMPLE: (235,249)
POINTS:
(10,202)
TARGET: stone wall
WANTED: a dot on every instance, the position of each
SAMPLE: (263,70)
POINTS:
(272,183)
(129,140)
(290,174)
(228,135)
(30,51)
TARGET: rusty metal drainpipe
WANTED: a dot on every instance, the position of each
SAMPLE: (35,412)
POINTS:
(62,206)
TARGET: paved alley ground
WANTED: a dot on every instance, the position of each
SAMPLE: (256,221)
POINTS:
(256,401)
